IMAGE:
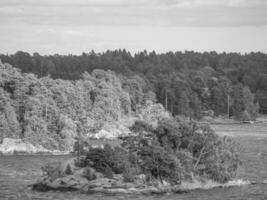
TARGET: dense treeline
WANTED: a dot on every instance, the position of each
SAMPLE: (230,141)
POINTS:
(186,83)
(52,112)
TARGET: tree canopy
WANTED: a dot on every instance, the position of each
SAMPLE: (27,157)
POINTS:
(52,112)
(186,83)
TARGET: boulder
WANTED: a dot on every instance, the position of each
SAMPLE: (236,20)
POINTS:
(90,181)
(71,182)
(89,173)
(102,182)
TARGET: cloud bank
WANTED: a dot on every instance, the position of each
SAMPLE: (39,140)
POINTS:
(66,25)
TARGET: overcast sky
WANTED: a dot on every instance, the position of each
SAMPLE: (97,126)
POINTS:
(75,26)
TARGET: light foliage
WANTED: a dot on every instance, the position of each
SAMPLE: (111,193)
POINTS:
(52,112)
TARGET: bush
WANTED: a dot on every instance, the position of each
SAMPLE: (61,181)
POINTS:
(173,152)
(108,172)
(187,164)
(222,163)
(152,150)
(176,150)
(98,158)
(52,170)
(160,164)
(214,157)
(89,174)
(120,160)
(81,162)
(68,170)
(168,134)
(107,157)
(129,174)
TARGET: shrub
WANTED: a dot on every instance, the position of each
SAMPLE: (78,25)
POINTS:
(89,173)
(52,170)
(129,174)
(187,163)
(141,126)
(171,152)
(120,160)
(160,164)
(108,172)
(68,170)
(168,134)
(98,159)
(222,163)
(107,157)
(214,157)
(149,150)
(81,162)
(176,150)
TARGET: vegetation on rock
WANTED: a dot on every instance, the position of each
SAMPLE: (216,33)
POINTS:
(174,151)
(148,160)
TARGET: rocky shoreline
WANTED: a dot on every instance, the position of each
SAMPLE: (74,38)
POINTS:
(117,186)
(88,180)
(12,146)
(67,177)
(103,185)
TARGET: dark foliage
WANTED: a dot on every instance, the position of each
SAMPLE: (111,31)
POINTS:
(68,170)
(106,159)
(89,174)
(129,174)
(186,83)
(52,170)
(107,171)
(173,152)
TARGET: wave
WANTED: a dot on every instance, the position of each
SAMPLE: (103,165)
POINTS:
(209,184)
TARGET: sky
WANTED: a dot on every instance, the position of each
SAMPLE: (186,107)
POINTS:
(76,26)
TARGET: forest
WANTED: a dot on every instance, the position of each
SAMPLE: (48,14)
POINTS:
(150,103)
(52,112)
(187,83)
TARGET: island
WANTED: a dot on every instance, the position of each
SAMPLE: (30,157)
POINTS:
(148,160)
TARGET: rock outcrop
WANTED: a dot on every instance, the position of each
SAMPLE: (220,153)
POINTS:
(90,181)
(11,146)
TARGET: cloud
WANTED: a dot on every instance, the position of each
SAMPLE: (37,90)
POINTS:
(205,3)
(130,3)
(177,13)
(63,40)
(81,25)
(66,3)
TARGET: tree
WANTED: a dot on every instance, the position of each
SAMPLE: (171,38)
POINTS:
(23,60)
(238,104)
(176,149)
(220,91)
(244,107)
(158,72)
(251,108)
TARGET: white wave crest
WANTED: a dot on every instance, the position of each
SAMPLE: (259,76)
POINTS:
(237,182)
(209,184)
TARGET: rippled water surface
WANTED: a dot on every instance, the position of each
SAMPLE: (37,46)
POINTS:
(16,172)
